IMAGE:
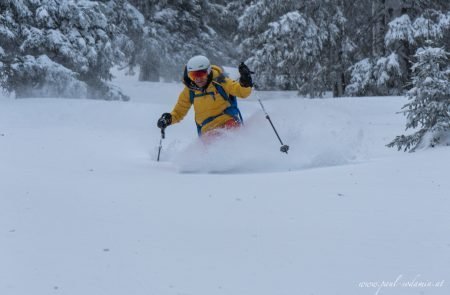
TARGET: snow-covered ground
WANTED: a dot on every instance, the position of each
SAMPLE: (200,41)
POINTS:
(86,210)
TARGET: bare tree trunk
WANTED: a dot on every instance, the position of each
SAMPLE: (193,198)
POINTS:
(379,27)
(149,73)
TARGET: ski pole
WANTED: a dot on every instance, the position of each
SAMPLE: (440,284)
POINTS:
(163,135)
(284,147)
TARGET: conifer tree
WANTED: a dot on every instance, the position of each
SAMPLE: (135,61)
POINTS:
(428,109)
(65,48)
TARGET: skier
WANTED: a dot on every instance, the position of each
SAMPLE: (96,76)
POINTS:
(212,94)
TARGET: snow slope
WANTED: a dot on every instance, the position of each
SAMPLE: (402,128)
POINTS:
(85,208)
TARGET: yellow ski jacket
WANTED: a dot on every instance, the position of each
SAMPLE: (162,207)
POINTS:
(211,104)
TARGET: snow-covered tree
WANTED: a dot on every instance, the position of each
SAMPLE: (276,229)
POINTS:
(84,37)
(127,29)
(176,30)
(42,77)
(390,73)
(429,106)
(356,47)
(288,47)
(376,76)
(304,48)
(400,29)
(254,22)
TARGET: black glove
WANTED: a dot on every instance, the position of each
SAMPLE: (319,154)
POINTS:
(165,120)
(246,76)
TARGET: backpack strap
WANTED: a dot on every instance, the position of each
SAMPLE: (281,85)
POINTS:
(233,109)
(192,95)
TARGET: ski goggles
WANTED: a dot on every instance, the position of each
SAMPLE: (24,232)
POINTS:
(198,74)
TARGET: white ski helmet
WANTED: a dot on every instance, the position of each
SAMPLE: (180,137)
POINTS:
(198,63)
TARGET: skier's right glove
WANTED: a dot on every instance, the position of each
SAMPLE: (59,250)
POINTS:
(164,121)
(246,76)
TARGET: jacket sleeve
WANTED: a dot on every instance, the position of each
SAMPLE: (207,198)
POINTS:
(182,107)
(234,88)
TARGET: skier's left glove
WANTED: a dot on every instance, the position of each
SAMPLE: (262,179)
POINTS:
(246,76)
(164,121)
